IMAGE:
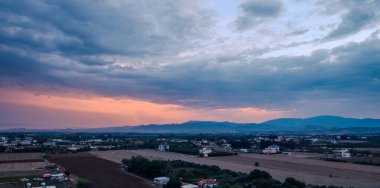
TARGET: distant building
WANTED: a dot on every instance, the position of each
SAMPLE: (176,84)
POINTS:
(189,186)
(244,150)
(333,141)
(161,180)
(226,146)
(163,147)
(287,153)
(26,142)
(73,148)
(271,149)
(205,151)
(207,183)
(204,141)
(342,153)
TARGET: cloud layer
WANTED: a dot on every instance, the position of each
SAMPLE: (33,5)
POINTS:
(183,53)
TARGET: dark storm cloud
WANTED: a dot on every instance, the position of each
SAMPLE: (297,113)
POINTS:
(254,12)
(63,45)
(349,72)
(134,28)
(359,15)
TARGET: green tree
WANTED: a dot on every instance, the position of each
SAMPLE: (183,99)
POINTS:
(173,184)
(293,183)
(84,183)
(259,174)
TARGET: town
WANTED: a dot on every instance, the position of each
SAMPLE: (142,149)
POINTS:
(50,155)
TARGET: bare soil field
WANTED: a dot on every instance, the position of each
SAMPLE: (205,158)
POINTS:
(102,173)
(308,170)
(24,166)
(21,164)
(19,156)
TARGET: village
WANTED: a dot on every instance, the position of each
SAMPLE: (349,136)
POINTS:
(54,149)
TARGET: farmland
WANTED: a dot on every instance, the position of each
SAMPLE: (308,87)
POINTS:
(102,173)
(21,164)
(307,170)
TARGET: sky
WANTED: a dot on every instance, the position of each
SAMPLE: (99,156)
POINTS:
(95,63)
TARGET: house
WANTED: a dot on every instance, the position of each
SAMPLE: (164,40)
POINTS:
(205,151)
(271,149)
(333,141)
(161,180)
(26,142)
(73,148)
(208,183)
(287,153)
(342,153)
(243,150)
(59,177)
(189,186)
(204,141)
(163,147)
(226,146)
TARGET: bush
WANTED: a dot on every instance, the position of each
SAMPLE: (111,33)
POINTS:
(256,164)
(266,183)
(84,183)
(293,183)
(259,174)
(173,184)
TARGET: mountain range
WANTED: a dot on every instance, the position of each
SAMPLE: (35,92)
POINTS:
(326,124)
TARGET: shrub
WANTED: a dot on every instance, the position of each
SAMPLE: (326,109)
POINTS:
(266,183)
(84,183)
(293,183)
(259,174)
(173,184)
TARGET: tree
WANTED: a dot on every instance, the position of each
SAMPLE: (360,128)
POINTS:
(84,183)
(266,183)
(259,174)
(256,164)
(293,183)
(173,184)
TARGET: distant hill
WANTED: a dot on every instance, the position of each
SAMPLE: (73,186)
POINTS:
(324,121)
(326,124)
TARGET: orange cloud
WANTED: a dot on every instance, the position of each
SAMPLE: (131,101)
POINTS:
(127,111)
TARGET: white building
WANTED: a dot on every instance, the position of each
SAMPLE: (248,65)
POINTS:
(26,142)
(226,146)
(161,180)
(189,186)
(244,150)
(73,148)
(271,149)
(163,147)
(342,153)
(205,151)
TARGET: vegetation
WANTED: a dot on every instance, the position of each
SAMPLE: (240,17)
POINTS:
(185,148)
(181,171)
(84,183)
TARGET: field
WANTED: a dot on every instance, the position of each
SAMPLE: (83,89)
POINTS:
(19,156)
(102,173)
(311,171)
(21,164)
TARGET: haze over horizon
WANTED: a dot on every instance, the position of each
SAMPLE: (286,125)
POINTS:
(70,64)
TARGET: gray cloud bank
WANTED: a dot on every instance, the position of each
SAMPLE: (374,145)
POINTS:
(63,45)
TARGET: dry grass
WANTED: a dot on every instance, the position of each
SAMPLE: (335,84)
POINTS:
(308,170)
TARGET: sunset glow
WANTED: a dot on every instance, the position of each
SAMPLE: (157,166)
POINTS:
(112,63)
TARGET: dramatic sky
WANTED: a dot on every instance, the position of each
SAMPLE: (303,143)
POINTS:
(95,63)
